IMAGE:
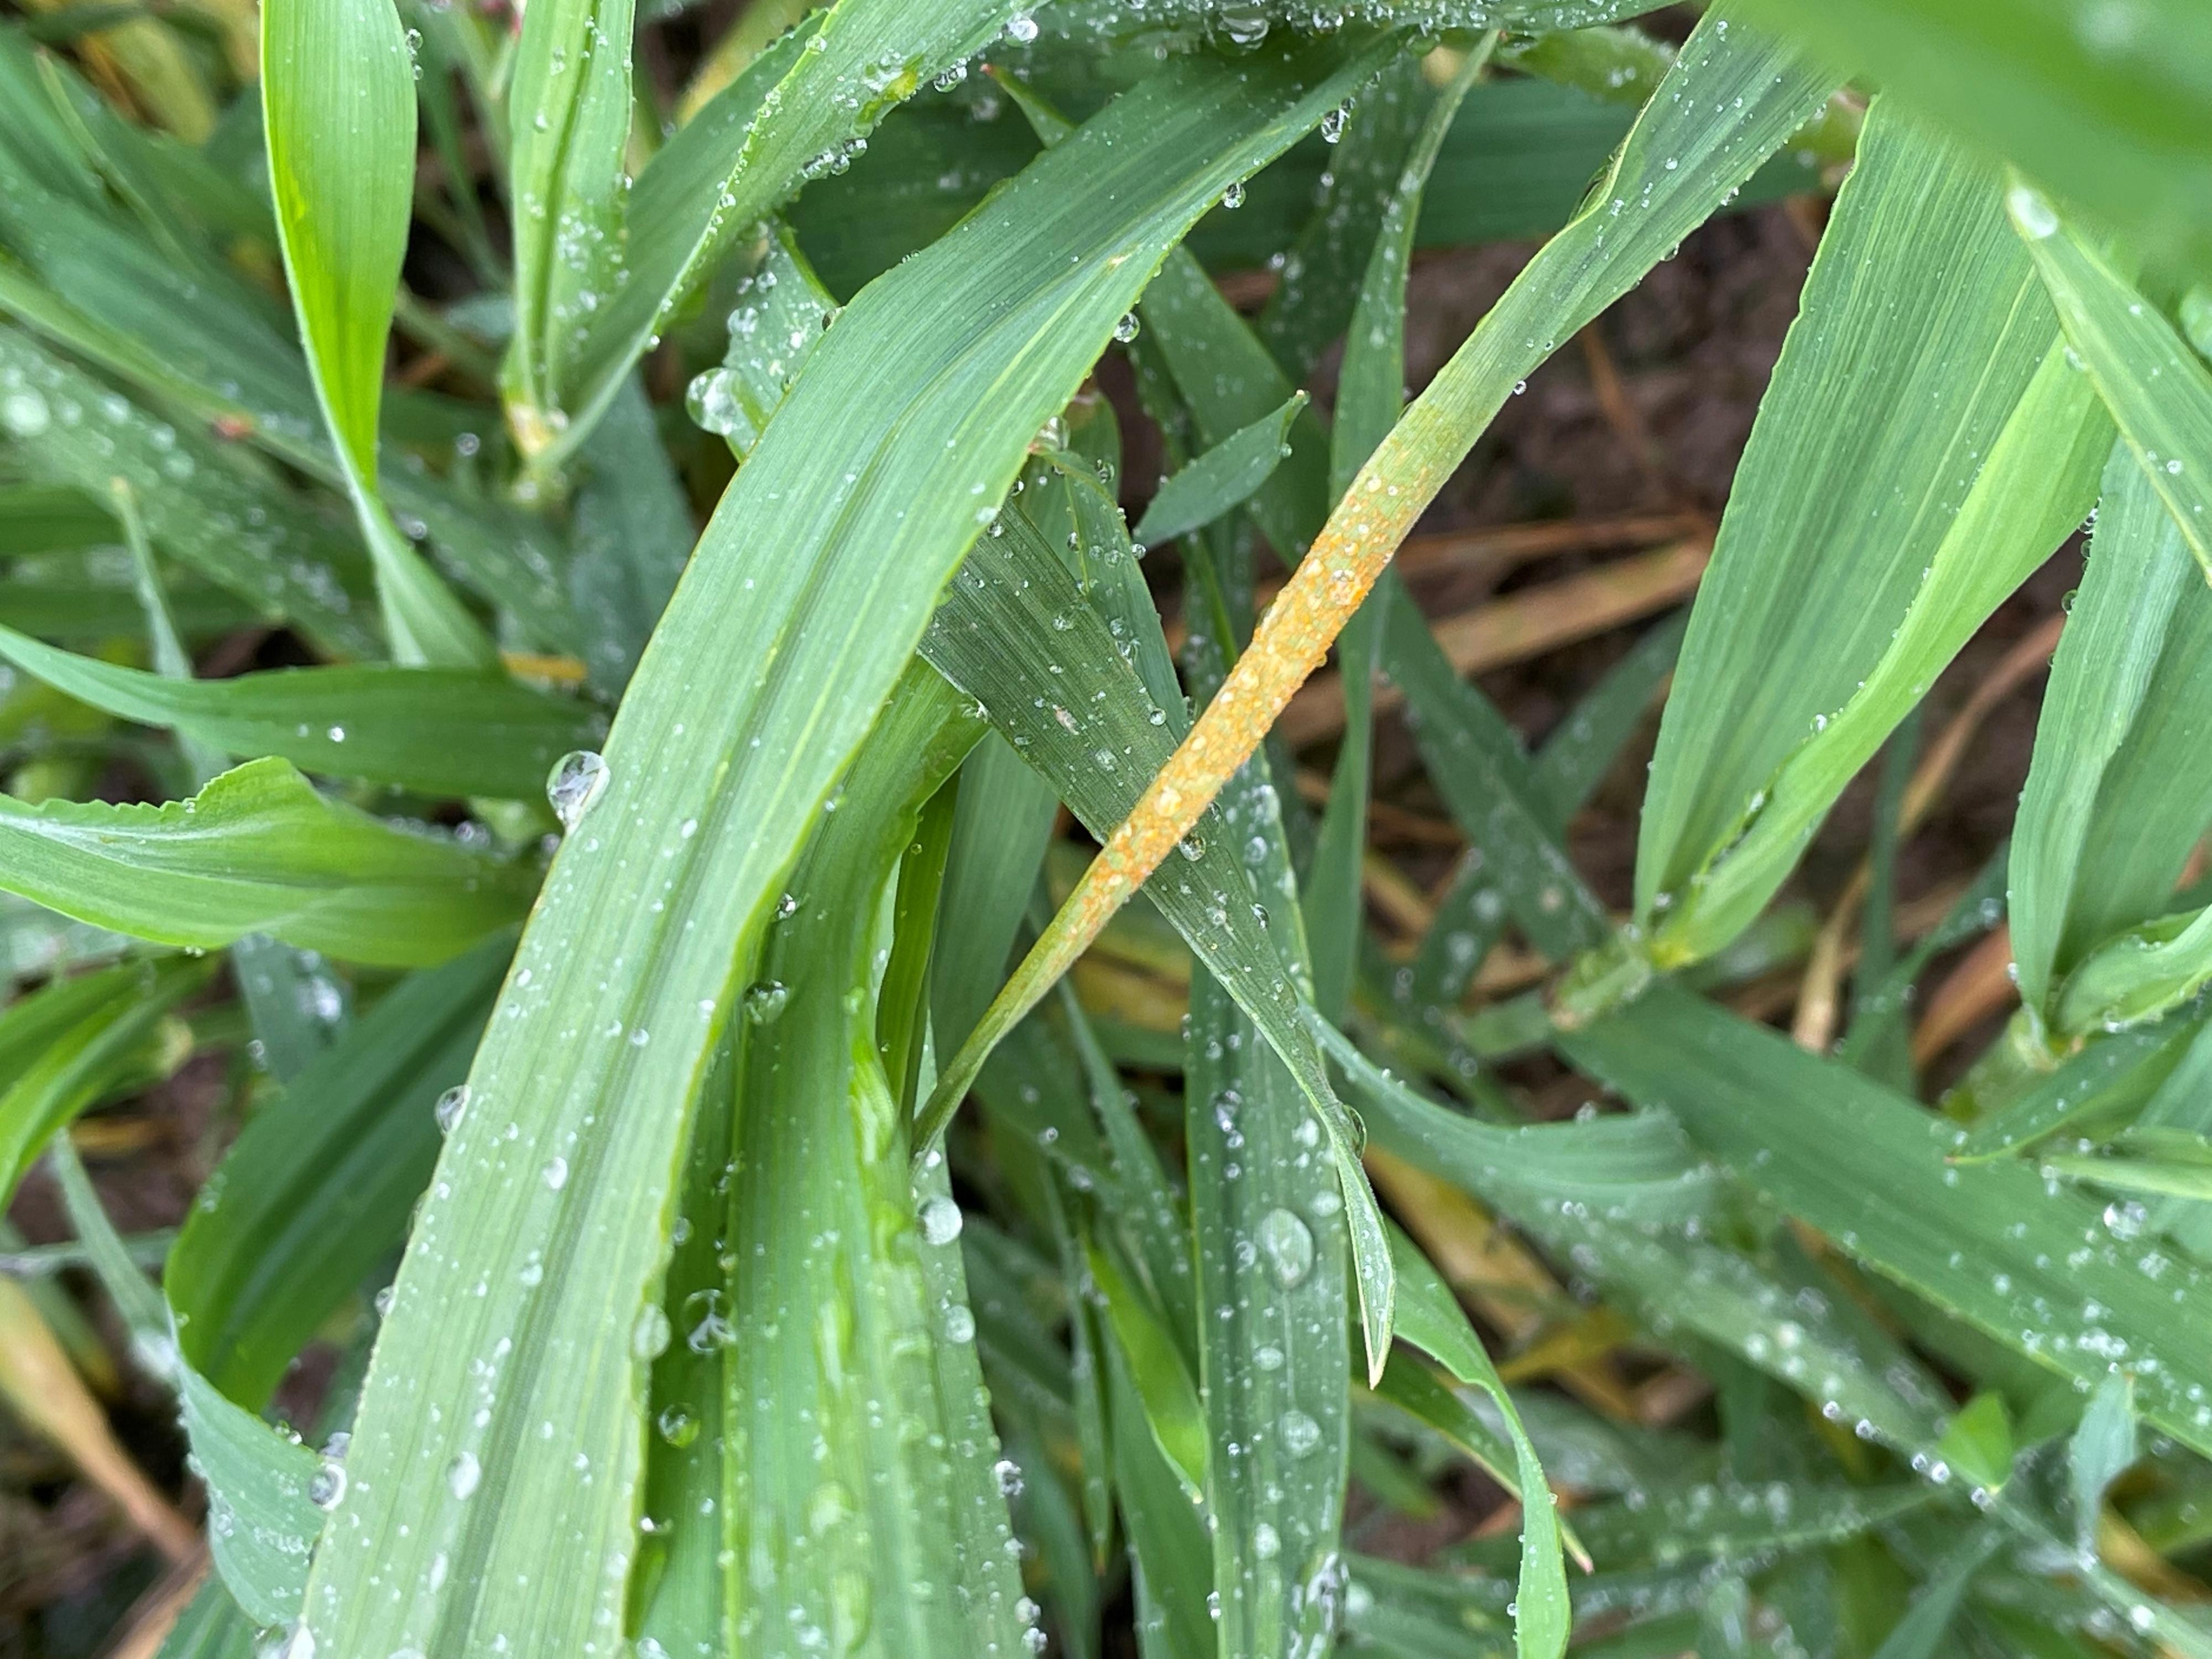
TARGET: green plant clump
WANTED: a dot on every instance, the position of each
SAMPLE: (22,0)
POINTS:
(558,566)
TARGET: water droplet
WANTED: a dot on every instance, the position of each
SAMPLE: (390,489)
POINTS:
(1301,1434)
(25,413)
(451,1104)
(940,1220)
(648,1337)
(464,1475)
(1234,195)
(1126,329)
(327,1488)
(764,1002)
(959,1324)
(557,1173)
(2032,212)
(1289,1244)
(678,1427)
(579,778)
(1022,29)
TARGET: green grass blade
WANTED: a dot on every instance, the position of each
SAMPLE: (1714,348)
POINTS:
(74,1042)
(1001,827)
(1920,1633)
(2157,388)
(1987,1242)
(2104,107)
(48,518)
(1222,479)
(1016,634)
(338,115)
(633,532)
(2138,976)
(1370,396)
(2100,1451)
(316,1193)
(829,1239)
(1268,1214)
(1671,174)
(821,564)
(261,1523)
(569,104)
(781,310)
(259,851)
(2107,1080)
(211,1627)
(1323,270)
(440,731)
(802,107)
(1838,527)
(263,546)
(1567,772)
(2113,807)
(1430,1319)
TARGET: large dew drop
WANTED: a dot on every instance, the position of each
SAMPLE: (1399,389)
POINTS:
(940,1220)
(451,1105)
(1289,1245)
(579,778)
(463,1475)
(648,1337)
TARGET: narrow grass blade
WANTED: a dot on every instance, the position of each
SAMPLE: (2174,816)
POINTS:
(1949,508)
(2106,1081)
(811,586)
(2100,1451)
(49,518)
(1222,479)
(1566,773)
(1432,1320)
(633,531)
(316,1192)
(342,168)
(259,851)
(802,108)
(894,1485)
(1323,268)
(1643,209)
(440,731)
(261,1523)
(2035,1270)
(2138,976)
(568,103)
(2108,657)
(2158,389)
(73,1041)
(1370,397)
(2101,106)
(2131,847)
(1014,632)
(781,310)
(999,830)
(1920,1633)
(265,546)
(1268,1214)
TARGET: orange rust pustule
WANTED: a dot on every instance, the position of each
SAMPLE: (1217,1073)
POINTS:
(1291,642)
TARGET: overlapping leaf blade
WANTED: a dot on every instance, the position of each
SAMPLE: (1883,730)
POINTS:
(338,114)
(2037,1270)
(442,731)
(259,851)
(1906,497)
(811,586)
